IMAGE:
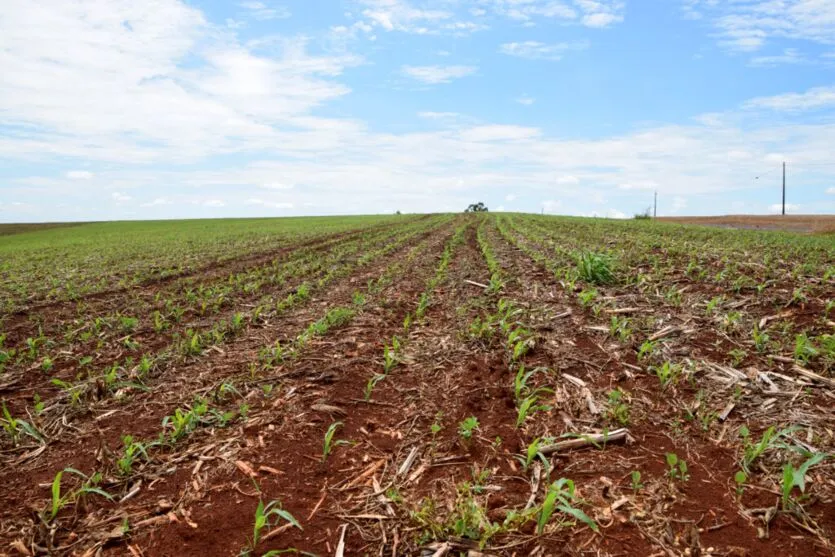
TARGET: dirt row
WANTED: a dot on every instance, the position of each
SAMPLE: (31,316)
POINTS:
(89,448)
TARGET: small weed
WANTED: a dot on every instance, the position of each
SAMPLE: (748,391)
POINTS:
(595,268)
(467,427)
(676,468)
(635,476)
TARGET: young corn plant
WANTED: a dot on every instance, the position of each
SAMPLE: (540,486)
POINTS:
(531,454)
(561,498)
(131,451)
(369,386)
(796,477)
(267,516)
(59,501)
(529,406)
(390,355)
(329,442)
(667,373)
(15,428)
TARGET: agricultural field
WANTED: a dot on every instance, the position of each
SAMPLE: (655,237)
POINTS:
(427,385)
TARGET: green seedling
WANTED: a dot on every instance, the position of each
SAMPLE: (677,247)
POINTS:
(132,449)
(329,442)
(618,407)
(467,427)
(587,297)
(369,386)
(528,406)
(804,349)
(740,478)
(60,501)
(531,454)
(676,468)
(646,350)
(635,476)
(264,518)
(796,477)
(595,268)
(560,497)
(15,427)
(667,373)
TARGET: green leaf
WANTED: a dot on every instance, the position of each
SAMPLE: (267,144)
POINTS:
(579,515)
(56,494)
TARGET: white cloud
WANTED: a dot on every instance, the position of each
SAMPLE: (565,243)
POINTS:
(748,25)
(500,208)
(551,205)
(789,56)
(158,202)
(434,75)
(525,100)
(816,98)
(510,197)
(135,100)
(498,133)
(535,50)
(214,203)
(271,204)
(679,204)
(568,180)
(831,191)
(263,12)
(591,13)
(119,197)
(79,175)
(403,16)
(276,186)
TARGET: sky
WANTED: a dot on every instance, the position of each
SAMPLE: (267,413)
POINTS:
(157,109)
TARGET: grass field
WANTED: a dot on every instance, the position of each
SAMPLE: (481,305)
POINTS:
(417,385)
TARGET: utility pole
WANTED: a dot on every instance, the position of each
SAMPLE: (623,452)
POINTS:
(784,187)
(655,207)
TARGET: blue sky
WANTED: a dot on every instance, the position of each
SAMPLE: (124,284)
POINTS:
(172,109)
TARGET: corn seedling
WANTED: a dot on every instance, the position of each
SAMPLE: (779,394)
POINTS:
(587,297)
(561,498)
(619,327)
(804,349)
(369,386)
(528,406)
(646,350)
(60,501)
(519,341)
(761,340)
(618,408)
(531,454)
(329,442)
(264,518)
(796,477)
(667,373)
(15,427)
(132,449)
